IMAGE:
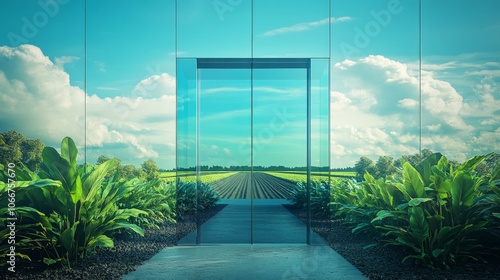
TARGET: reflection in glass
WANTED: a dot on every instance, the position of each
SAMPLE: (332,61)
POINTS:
(258,105)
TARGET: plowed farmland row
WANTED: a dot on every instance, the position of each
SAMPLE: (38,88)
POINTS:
(265,186)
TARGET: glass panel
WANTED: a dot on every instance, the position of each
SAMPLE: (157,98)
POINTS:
(320,135)
(42,79)
(291,35)
(224,149)
(131,108)
(213,28)
(187,136)
(375,117)
(460,63)
(279,132)
(375,83)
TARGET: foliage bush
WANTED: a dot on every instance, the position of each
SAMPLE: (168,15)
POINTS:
(156,198)
(320,197)
(187,200)
(63,211)
(445,215)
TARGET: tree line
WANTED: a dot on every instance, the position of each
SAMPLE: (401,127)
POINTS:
(387,166)
(16,148)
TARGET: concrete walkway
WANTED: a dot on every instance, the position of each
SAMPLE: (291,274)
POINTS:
(279,250)
(272,223)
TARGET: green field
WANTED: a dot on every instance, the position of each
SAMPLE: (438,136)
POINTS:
(295,176)
(206,176)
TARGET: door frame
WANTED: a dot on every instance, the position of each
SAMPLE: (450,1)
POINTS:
(251,64)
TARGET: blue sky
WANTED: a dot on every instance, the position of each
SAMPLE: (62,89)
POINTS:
(128,109)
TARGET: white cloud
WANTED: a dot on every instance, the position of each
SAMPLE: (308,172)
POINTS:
(38,101)
(303,26)
(339,101)
(489,122)
(491,73)
(345,64)
(63,60)
(434,127)
(155,86)
(377,98)
(408,103)
(38,97)
(487,141)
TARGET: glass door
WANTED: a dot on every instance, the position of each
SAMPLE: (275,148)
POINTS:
(279,147)
(251,126)
(224,123)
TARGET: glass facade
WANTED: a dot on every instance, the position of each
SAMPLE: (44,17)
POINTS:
(209,88)
(252,99)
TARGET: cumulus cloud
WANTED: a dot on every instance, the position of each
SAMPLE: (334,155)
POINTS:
(345,64)
(375,104)
(38,101)
(155,86)
(37,96)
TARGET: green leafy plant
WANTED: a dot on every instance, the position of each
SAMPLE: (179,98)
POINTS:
(156,197)
(444,213)
(71,209)
(187,202)
(448,214)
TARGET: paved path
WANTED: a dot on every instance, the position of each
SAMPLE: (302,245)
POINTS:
(272,223)
(279,250)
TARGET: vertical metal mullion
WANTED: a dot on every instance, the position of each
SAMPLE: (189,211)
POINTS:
(308,136)
(252,185)
(420,76)
(198,180)
(85,83)
(329,90)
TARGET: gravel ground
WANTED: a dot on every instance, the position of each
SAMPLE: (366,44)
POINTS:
(379,262)
(111,263)
(384,262)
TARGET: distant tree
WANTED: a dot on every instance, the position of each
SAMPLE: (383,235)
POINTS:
(129,171)
(16,148)
(426,152)
(415,159)
(102,159)
(364,165)
(385,166)
(486,167)
(151,169)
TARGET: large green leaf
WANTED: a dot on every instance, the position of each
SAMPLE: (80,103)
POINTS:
(101,241)
(382,214)
(471,163)
(67,237)
(424,167)
(92,183)
(413,182)
(58,168)
(418,225)
(418,200)
(54,165)
(462,190)
(69,151)
(24,174)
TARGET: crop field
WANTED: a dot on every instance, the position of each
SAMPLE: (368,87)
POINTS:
(266,186)
(206,177)
(298,176)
